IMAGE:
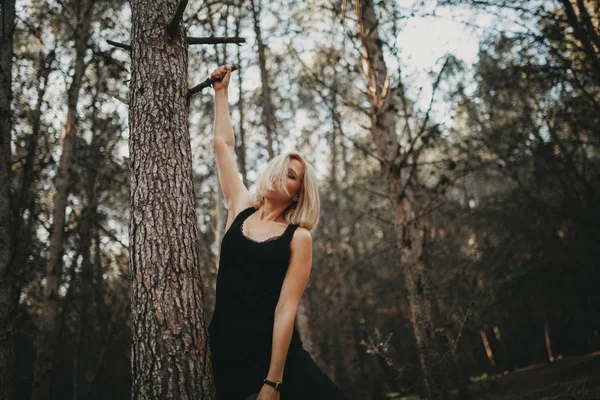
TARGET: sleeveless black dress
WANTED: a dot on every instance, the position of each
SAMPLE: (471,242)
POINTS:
(249,281)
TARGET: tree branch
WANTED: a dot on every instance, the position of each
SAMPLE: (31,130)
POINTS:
(117,44)
(174,24)
(215,40)
(206,83)
(323,84)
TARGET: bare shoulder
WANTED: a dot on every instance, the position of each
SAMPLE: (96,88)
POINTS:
(301,238)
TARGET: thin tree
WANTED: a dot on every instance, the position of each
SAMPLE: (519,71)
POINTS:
(409,228)
(240,148)
(48,335)
(7,279)
(268,112)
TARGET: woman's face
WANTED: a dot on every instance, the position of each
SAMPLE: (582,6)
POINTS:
(293,182)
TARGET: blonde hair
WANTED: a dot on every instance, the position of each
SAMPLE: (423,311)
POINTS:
(305,212)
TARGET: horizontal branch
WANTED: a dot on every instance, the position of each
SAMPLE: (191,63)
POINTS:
(215,40)
(191,40)
(207,83)
(117,44)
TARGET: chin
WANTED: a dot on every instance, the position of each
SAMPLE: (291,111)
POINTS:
(275,197)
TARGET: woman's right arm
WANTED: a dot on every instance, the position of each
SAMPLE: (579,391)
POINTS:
(235,193)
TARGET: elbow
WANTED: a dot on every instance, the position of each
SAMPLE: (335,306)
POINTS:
(288,308)
(219,143)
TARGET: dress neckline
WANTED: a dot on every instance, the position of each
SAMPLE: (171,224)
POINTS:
(271,239)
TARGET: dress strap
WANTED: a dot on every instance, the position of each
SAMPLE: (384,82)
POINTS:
(289,232)
(243,215)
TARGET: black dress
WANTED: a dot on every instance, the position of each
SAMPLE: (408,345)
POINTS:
(249,281)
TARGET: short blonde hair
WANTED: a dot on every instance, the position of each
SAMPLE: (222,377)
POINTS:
(305,212)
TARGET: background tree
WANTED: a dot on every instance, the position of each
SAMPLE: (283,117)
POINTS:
(7,223)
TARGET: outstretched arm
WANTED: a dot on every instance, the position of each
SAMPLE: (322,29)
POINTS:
(235,193)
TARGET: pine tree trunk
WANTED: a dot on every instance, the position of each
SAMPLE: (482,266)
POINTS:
(240,143)
(23,226)
(409,229)
(268,113)
(7,280)
(220,223)
(28,173)
(48,336)
(583,35)
(86,277)
(170,354)
(305,331)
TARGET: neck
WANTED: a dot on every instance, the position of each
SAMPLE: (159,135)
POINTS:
(272,211)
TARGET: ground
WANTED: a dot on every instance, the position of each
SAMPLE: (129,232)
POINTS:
(573,378)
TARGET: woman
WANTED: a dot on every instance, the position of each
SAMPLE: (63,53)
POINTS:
(266,257)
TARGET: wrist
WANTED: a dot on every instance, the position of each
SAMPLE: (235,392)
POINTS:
(273,384)
(274,377)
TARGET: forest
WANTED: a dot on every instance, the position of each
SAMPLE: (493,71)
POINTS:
(457,148)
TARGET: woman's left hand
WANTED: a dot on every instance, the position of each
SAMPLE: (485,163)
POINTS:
(268,393)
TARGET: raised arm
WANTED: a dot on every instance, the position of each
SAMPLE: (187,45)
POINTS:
(235,193)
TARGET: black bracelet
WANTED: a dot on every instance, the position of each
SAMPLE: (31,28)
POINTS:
(276,385)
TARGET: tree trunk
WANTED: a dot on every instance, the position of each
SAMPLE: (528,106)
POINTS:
(47,340)
(488,348)
(86,277)
(23,228)
(170,353)
(348,340)
(580,32)
(548,342)
(268,113)
(408,228)
(305,331)
(28,174)
(7,279)
(220,209)
(220,223)
(240,147)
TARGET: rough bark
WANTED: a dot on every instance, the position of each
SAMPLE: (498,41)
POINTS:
(7,279)
(48,336)
(409,229)
(268,113)
(170,353)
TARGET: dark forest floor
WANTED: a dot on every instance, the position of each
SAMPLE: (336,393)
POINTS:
(570,378)
(576,378)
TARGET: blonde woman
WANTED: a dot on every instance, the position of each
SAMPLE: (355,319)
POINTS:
(265,263)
